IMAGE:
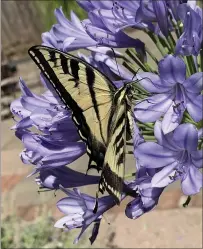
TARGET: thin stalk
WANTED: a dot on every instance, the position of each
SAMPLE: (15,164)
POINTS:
(201,60)
(149,125)
(158,43)
(177,31)
(147,137)
(134,57)
(191,64)
(171,42)
(130,67)
(187,66)
(146,132)
(151,55)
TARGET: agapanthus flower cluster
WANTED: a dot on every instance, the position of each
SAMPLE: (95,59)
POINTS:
(167,139)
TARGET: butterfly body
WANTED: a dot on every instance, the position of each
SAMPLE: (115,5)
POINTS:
(101,112)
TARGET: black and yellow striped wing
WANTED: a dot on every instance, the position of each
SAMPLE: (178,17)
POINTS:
(114,161)
(86,91)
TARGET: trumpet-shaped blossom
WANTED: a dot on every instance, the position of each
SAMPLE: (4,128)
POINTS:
(172,94)
(52,178)
(148,195)
(71,35)
(190,41)
(78,209)
(176,155)
(191,38)
(57,141)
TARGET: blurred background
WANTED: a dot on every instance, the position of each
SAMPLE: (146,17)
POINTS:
(28,217)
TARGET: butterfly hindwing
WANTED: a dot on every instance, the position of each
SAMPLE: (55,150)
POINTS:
(114,161)
(83,89)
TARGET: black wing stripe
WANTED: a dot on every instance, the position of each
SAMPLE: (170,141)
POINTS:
(90,77)
(119,146)
(64,64)
(74,68)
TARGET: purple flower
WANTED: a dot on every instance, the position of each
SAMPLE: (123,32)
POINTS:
(148,196)
(78,209)
(71,35)
(51,178)
(190,41)
(57,141)
(172,94)
(154,11)
(176,155)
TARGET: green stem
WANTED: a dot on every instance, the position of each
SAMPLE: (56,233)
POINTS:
(147,137)
(191,64)
(187,66)
(130,67)
(151,55)
(147,132)
(177,31)
(201,60)
(134,57)
(149,125)
(158,43)
(171,42)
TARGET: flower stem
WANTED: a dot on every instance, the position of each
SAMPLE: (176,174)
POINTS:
(132,54)
(201,60)
(155,39)
(191,64)
(151,55)
(149,138)
(171,42)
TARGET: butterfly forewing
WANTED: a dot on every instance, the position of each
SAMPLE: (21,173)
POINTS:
(86,91)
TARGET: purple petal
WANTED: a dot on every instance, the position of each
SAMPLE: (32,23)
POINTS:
(165,140)
(17,109)
(49,40)
(154,107)
(23,124)
(192,182)
(172,118)
(24,89)
(161,12)
(172,69)
(153,155)
(186,137)
(134,209)
(164,177)
(71,221)
(31,103)
(70,205)
(70,154)
(152,83)
(195,106)
(76,21)
(194,84)
(197,158)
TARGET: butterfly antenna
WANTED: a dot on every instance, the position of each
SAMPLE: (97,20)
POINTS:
(136,73)
(116,61)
